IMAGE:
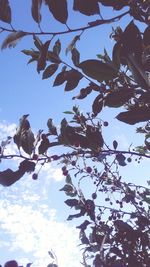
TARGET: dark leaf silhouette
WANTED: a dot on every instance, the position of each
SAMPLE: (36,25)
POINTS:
(35,10)
(9,177)
(114,3)
(71,202)
(60,78)
(27,166)
(83,237)
(121,159)
(132,41)
(72,44)
(115,144)
(5,11)
(118,97)
(45,144)
(84,225)
(51,127)
(84,92)
(11,263)
(43,56)
(86,7)
(98,70)
(116,55)
(12,39)
(38,43)
(58,9)
(146,36)
(94,137)
(73,78)
(24,137)
(97,104)
(135,115)
(49,71)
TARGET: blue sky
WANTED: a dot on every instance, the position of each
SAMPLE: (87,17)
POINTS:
(32,213)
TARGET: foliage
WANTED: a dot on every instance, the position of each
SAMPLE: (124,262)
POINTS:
(116,233)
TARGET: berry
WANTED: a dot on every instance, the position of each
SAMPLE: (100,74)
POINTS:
(35,157)
(65,173)
(129,159)
(89,169)
(73,163)
(55,157)
(94,195)
(105,123)
(34,176)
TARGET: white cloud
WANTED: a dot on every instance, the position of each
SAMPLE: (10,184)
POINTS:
(32,231)
(28,222)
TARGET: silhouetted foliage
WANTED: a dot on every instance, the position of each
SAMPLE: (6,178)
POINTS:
(117,233)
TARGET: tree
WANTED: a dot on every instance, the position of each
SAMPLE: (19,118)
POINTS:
(117,233)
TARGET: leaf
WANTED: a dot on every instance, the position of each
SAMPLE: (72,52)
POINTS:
(35,10)
(68,112)
(9,177)
(58,9)
(51,127)
(75,56)
(121,159)
(71,202)
(84,225)
(86,7)
(43,56)
(84,92)
(45,144)
(27,141)
(73,78)
(97,104)
(115,144)
(49,71)
(60,78)
(131,40)
(116,54)
(98,70)
(12,39)
(5,11)
(118,97)
(114,3)
(135,115)
(37,42)
(57,47)
(146,36)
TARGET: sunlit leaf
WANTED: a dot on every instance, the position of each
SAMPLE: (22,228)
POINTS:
(57,47)
(72,44)
(75,56)
(12,39)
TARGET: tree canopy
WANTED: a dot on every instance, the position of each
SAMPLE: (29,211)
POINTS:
(116,231)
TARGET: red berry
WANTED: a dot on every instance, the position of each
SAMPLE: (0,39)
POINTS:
(73,163)
(55,157)
(35,157)
(34,176)
(89,169)
(65,173)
